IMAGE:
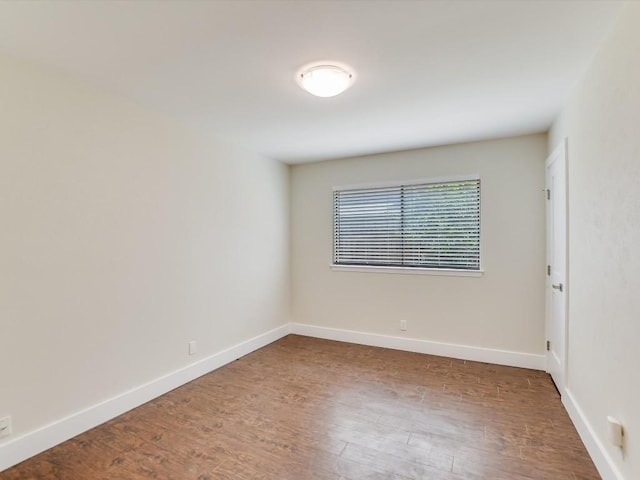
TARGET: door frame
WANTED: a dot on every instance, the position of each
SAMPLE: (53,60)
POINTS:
(559,153)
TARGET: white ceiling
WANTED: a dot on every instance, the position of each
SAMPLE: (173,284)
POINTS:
(428,72)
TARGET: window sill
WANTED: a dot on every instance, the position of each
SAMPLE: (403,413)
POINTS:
(443,272)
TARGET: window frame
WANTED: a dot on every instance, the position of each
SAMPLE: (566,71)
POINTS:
(411,270)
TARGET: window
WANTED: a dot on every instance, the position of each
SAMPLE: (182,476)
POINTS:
(428,225)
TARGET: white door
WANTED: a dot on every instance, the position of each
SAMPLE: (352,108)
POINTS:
(556,291)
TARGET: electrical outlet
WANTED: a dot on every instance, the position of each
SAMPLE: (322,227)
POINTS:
(193,347)
(403,325)
(5,426)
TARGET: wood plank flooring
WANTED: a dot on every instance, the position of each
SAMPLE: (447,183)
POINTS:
(304,408)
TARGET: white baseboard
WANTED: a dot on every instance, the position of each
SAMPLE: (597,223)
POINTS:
(601,458)
(32,443)
(464,352)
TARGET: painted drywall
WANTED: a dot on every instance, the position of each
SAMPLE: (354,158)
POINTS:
(124,237)
(503,309)
(601,122)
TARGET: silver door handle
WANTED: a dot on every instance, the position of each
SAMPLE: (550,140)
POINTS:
(557,287)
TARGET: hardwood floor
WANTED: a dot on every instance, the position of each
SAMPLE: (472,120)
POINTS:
(304,408)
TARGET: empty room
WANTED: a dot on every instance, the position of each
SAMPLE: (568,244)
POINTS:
(319,239)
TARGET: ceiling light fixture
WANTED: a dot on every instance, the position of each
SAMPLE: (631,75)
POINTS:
(325,80)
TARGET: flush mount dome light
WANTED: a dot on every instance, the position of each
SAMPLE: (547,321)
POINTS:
(325,80)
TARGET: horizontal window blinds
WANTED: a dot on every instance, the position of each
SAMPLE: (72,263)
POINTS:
(432,225)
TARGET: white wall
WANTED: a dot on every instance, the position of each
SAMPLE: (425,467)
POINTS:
(124,236)
(502,310)
(602,123)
